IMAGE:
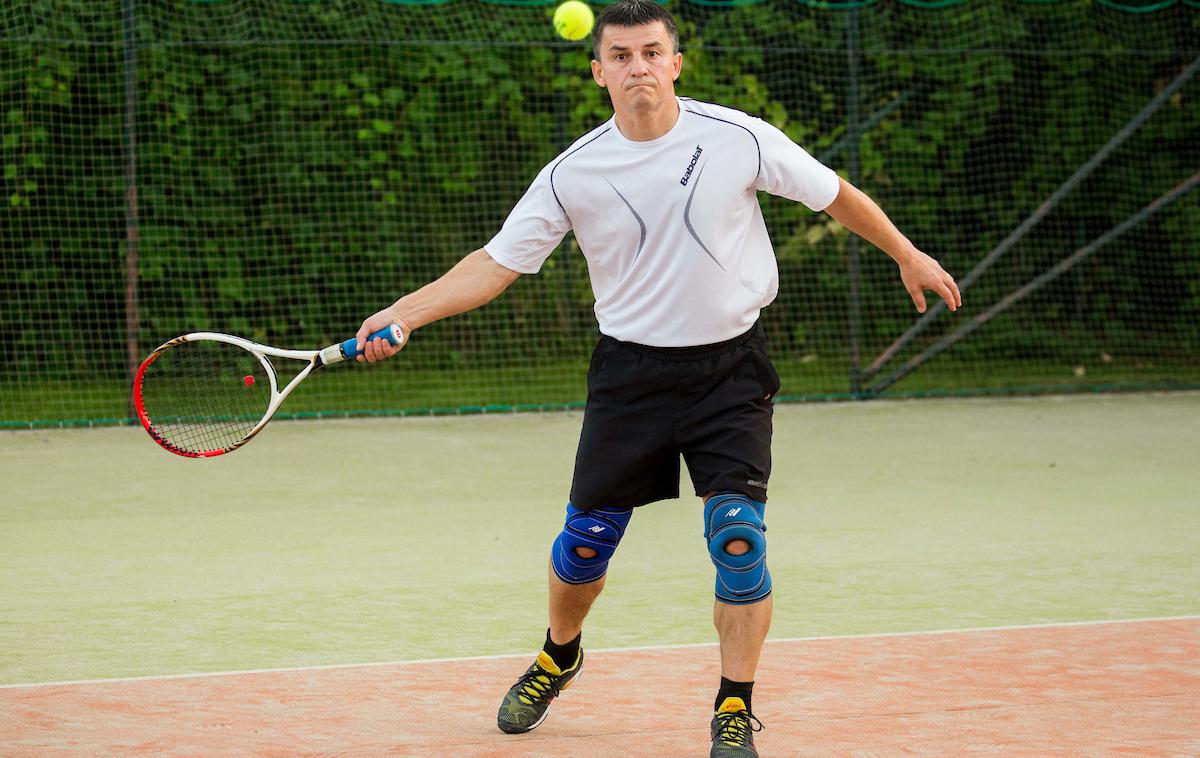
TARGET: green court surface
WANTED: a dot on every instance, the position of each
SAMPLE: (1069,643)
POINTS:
(332,542)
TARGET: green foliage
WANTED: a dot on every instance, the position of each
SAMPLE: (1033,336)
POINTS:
(299,165)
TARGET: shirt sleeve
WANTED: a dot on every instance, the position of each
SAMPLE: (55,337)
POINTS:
(532,230)
(787,170)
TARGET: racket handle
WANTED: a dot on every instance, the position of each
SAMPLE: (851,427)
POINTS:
(392,333)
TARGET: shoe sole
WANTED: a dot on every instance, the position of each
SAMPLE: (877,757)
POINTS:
(545,713)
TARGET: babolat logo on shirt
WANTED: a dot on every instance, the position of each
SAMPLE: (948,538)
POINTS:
(691,166)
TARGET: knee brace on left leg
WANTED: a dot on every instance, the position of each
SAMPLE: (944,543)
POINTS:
(729,517)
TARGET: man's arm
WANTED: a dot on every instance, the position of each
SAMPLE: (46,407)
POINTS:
(859,213)
(474,281)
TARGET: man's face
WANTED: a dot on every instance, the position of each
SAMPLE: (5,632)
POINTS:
(638,66)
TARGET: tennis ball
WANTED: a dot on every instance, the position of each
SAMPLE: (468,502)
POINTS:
(573,20)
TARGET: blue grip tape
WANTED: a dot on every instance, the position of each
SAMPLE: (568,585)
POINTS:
(391,333)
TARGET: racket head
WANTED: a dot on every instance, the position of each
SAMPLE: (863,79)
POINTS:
(203,396)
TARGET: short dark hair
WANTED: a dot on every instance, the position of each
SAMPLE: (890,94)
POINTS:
(634,13)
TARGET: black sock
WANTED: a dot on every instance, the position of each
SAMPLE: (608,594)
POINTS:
(730,688)
(564,655)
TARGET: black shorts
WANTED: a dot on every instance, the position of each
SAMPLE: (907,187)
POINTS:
(648,405)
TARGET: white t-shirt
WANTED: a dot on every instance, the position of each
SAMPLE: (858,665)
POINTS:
(674,238)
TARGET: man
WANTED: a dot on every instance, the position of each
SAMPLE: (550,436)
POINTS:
(662,200)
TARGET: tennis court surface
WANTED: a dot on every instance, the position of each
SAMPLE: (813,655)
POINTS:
(281,601)
(1072,690)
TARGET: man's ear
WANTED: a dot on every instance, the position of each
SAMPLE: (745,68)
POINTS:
(678,66)
(598,74)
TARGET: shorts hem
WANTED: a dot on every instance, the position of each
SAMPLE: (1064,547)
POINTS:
(629,502)
(757,494)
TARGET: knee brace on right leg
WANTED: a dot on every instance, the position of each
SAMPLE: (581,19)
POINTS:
(598,531)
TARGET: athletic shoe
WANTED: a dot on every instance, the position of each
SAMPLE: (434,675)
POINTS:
(527,702)
(732,732)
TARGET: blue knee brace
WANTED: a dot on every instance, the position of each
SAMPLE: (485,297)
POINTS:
(730,516)
(601,530)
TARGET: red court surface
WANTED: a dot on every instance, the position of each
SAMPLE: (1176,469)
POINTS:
(1104,689)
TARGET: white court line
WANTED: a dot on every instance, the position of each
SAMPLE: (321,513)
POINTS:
(330,666)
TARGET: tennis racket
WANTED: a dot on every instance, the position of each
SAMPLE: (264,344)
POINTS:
(206,394)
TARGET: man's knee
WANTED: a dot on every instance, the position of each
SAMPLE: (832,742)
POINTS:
(737,543)
(588,540)
(737,547)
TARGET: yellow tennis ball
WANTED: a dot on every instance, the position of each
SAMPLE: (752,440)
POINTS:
(573,20)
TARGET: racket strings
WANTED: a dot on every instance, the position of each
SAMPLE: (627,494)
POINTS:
(204,396)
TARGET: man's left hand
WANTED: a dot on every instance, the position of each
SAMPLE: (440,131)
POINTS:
(919,272)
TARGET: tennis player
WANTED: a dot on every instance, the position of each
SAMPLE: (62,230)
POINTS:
(663,202)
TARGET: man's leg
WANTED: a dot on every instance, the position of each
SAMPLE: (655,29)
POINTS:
(570,603)
(742,626)
(578,565)
(742,614)
(742,629)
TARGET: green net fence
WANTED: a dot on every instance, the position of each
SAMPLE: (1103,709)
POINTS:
(279,169)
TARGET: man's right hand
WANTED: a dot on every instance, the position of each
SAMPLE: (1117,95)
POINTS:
(378,349)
